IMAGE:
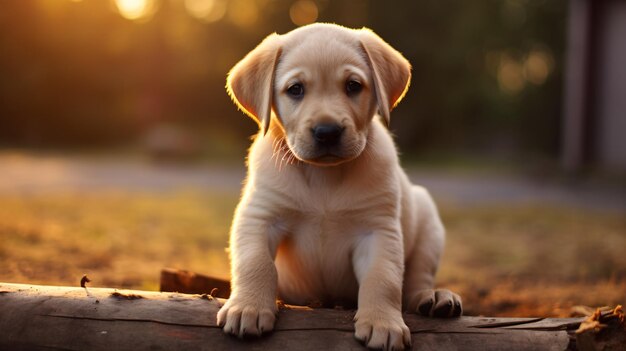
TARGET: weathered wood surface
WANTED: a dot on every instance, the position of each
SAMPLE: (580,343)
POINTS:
(45,317)
(193,283)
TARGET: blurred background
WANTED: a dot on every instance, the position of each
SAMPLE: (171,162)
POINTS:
(120,152)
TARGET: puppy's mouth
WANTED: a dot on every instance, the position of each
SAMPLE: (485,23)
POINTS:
(327,160)
(326,157)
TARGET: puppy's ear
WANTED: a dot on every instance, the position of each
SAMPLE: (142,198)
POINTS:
(390,70)
(250,82)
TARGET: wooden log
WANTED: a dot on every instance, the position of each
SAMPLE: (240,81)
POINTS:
(176,280)
(46,317)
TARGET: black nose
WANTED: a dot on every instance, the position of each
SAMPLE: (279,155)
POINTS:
(327,134)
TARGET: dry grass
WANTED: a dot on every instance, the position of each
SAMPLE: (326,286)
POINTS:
(119,239)
(534,260)
(504,260)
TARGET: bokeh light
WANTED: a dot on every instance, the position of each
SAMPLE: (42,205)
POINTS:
(174,54)
(303,12)
(206,10)
(136,10)
(538,66)
(243,13)
(510,75)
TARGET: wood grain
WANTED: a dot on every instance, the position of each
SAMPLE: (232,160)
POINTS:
(75,318)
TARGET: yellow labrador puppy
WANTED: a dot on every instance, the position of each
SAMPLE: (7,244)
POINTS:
(327,214)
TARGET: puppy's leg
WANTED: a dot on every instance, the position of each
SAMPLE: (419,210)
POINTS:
(378,266)
(419,295)
(251,308)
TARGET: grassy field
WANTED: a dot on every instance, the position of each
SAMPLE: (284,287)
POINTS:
(504,260)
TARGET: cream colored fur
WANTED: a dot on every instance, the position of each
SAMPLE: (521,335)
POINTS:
(337,226)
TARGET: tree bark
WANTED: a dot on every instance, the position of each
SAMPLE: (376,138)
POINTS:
(75,318)
(193,283)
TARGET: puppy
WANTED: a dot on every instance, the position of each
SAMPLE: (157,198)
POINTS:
(327,214)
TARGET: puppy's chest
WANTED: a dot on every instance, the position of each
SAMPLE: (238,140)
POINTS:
(317,252)
(323,220)
(326,217)
(325,232)
(326,236)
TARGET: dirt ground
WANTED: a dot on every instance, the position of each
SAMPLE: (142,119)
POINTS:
(516,247)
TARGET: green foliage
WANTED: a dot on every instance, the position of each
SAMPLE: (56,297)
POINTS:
(457,49)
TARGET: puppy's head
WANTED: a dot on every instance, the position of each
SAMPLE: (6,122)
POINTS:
(322,84)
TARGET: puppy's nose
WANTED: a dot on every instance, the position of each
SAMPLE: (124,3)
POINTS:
(327,134)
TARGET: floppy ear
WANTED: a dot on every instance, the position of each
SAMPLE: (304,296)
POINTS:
(390,70)
(250,82)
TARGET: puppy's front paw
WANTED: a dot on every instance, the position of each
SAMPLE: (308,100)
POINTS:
(439,303)
(382,330)
(246,318)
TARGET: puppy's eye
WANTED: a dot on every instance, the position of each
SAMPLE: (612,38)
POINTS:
(353,87)
(296,90)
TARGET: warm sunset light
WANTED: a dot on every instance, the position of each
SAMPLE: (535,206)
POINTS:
(206,10)
(303,12)
(243,13)
(127,156)
(136,9)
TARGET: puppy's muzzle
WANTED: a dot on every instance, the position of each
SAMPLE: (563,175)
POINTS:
(327,135)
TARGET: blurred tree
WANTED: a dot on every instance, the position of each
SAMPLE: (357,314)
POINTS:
(458,50)
(487,74)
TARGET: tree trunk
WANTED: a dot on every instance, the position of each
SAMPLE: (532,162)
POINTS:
(75,318)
